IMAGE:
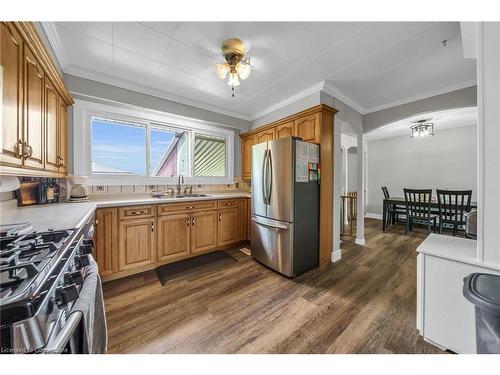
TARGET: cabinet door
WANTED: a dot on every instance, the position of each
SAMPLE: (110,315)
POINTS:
(249,219)
(228,226)
(62,139)
(203,231)
(285,130)
(173,236)
(241,229)
(137,243)
(51,127)
(11,60)
(246,157)
(308,128)
(265,135)
(33,110)
(106,240)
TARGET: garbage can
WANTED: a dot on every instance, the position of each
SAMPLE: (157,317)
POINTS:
(483,290)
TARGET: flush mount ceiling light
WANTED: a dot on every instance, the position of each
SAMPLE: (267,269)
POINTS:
(236,66)
(422,128)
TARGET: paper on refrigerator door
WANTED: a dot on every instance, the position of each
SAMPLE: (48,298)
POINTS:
(305,153)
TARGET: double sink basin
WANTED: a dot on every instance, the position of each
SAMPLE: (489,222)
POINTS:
(168,196)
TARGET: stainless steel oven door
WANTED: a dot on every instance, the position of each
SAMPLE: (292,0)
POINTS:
(70,338)
(272,244)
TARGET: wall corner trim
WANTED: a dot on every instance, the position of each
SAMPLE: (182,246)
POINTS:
(359,241)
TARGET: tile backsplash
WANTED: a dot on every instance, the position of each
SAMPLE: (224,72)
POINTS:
(142,189)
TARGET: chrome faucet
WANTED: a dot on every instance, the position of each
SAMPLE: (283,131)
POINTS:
(180,178)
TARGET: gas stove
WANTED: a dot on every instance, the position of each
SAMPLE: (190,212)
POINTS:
(40,278)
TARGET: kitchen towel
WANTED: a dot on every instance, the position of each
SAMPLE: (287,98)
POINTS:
(91,304)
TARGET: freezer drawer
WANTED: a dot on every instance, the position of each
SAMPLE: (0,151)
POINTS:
(272,244)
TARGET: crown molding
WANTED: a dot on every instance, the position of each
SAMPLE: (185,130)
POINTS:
(300,95)
(427,95)
(324,86)
(54,41)
(338,94)
(102,78)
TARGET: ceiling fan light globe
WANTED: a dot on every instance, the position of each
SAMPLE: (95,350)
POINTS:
(233,80)
(243,70)
(222,70)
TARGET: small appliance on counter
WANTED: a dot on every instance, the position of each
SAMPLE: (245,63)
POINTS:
(79,192)
(38,191)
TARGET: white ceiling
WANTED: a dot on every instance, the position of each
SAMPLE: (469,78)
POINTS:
(446,119)
(371,64)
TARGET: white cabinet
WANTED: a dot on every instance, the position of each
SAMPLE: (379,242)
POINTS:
(444,317)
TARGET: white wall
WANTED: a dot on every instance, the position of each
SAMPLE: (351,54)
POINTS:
(446,160)
(352,169)
(488,55)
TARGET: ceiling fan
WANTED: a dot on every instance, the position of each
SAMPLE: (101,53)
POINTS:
(236,66)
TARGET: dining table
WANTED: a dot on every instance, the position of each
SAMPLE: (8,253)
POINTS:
(399,201)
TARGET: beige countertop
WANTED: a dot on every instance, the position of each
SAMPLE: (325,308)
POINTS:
(74,215)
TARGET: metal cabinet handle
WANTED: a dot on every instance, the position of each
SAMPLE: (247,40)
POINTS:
(220,217)
(228,204)
(152,226)
(138,212)
(193,222)
(19,149)
(189,207)
(30,150)
(188,221)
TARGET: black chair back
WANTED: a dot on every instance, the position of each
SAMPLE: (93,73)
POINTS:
(453,205)
(386,192)
(418,203)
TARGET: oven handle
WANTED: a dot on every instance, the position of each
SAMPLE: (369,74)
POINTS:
(58,344)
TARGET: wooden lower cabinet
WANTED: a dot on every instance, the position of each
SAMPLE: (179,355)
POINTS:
(133,239)
(203,231)
(249,219)
(227,227)
(106,240)
(136,243)
(173,237)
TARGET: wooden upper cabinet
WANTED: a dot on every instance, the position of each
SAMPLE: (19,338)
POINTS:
(106,240)
(11,60)
(136,243)
(246,156)
(33,111)
(309,128)
(51,127)
(34,105)
(173,236)
(62,139)
(265,135)
(285,130)
(228,226)
(203,231)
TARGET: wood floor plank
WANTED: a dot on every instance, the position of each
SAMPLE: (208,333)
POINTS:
(365,303)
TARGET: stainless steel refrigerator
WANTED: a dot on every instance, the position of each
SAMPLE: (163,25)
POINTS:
(285,205)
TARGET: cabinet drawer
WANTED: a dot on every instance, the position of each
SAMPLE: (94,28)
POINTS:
(165,209)
(136,212)
(227,203)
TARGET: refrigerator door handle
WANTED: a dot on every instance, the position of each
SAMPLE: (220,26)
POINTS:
(275,226)
(269,178)
(264,177)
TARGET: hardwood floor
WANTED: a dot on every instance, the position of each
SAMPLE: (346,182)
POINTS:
(363,304)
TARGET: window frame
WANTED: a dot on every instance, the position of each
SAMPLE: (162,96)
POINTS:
(82,142)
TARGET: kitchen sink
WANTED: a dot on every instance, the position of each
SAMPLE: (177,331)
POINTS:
(182,196)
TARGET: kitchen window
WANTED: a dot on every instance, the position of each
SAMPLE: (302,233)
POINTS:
(124,146)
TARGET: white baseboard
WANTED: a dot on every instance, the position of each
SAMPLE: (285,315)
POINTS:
(336,255)
(373,216)
(359,241)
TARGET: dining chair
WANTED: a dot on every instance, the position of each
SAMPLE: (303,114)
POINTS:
(418,209)
(394,211)
(453,205)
